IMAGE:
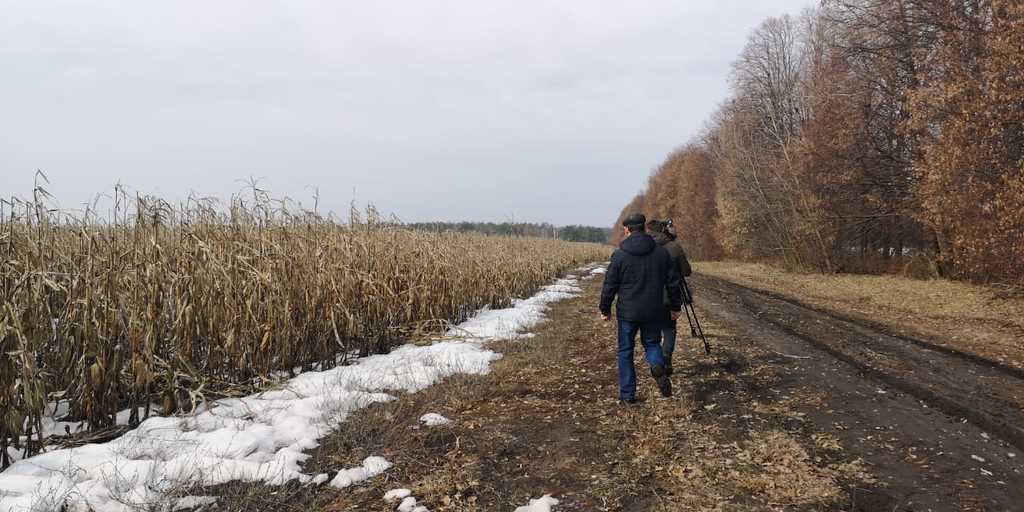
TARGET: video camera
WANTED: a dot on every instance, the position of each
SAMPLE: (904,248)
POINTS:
(669,227)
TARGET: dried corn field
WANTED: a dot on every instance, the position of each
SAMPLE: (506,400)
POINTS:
(173,305)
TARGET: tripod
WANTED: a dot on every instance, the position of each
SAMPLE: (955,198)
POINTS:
(691,316)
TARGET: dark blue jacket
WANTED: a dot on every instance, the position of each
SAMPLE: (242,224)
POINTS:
(640,274)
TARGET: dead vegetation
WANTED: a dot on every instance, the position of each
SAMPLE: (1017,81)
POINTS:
(154,303)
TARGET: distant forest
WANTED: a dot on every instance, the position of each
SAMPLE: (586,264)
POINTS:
(544,230)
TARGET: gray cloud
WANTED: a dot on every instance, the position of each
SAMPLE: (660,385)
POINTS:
(545,111)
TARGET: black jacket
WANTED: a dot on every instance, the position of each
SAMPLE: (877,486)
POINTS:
(675,251)
(678,255)
(640,274)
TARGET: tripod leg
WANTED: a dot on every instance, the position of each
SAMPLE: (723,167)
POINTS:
(707,346)
(695,328)
(688,306)
(686,309)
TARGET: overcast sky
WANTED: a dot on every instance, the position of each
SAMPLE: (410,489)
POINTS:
(456,110)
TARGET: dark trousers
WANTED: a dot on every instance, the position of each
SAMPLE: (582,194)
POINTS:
(650,337)
(668,340)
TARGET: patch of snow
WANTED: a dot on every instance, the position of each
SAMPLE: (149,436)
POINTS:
(194,502)
(542,504)
(433,419)
(397,494)
(408,504)
(372,466)
(52,425)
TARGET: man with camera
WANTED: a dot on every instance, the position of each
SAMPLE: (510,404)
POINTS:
(662,233)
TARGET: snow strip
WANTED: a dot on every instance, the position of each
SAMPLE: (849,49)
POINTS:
(433,419)
(508,323)
(259,438)
(542,504)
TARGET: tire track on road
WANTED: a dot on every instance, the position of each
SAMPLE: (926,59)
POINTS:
(983,392)
(939,429)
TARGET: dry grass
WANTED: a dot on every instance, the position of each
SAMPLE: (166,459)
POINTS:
(176,304)
(963,316)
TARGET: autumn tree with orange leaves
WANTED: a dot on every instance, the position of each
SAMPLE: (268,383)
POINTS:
(970,108)
(866,135)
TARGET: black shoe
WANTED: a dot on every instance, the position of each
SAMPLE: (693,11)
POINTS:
(664,383)
(632,402)
(668,370)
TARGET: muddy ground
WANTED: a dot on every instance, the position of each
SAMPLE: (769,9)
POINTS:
(795,409)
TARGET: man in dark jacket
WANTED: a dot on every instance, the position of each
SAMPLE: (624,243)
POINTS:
(661,234)
(640,274)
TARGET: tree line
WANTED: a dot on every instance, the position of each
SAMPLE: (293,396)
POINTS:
(572,233)
(863,136)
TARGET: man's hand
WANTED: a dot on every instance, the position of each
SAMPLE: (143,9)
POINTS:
(675,315)
(604,317)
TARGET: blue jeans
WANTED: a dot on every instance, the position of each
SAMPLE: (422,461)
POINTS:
(650,336)
(668,343)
